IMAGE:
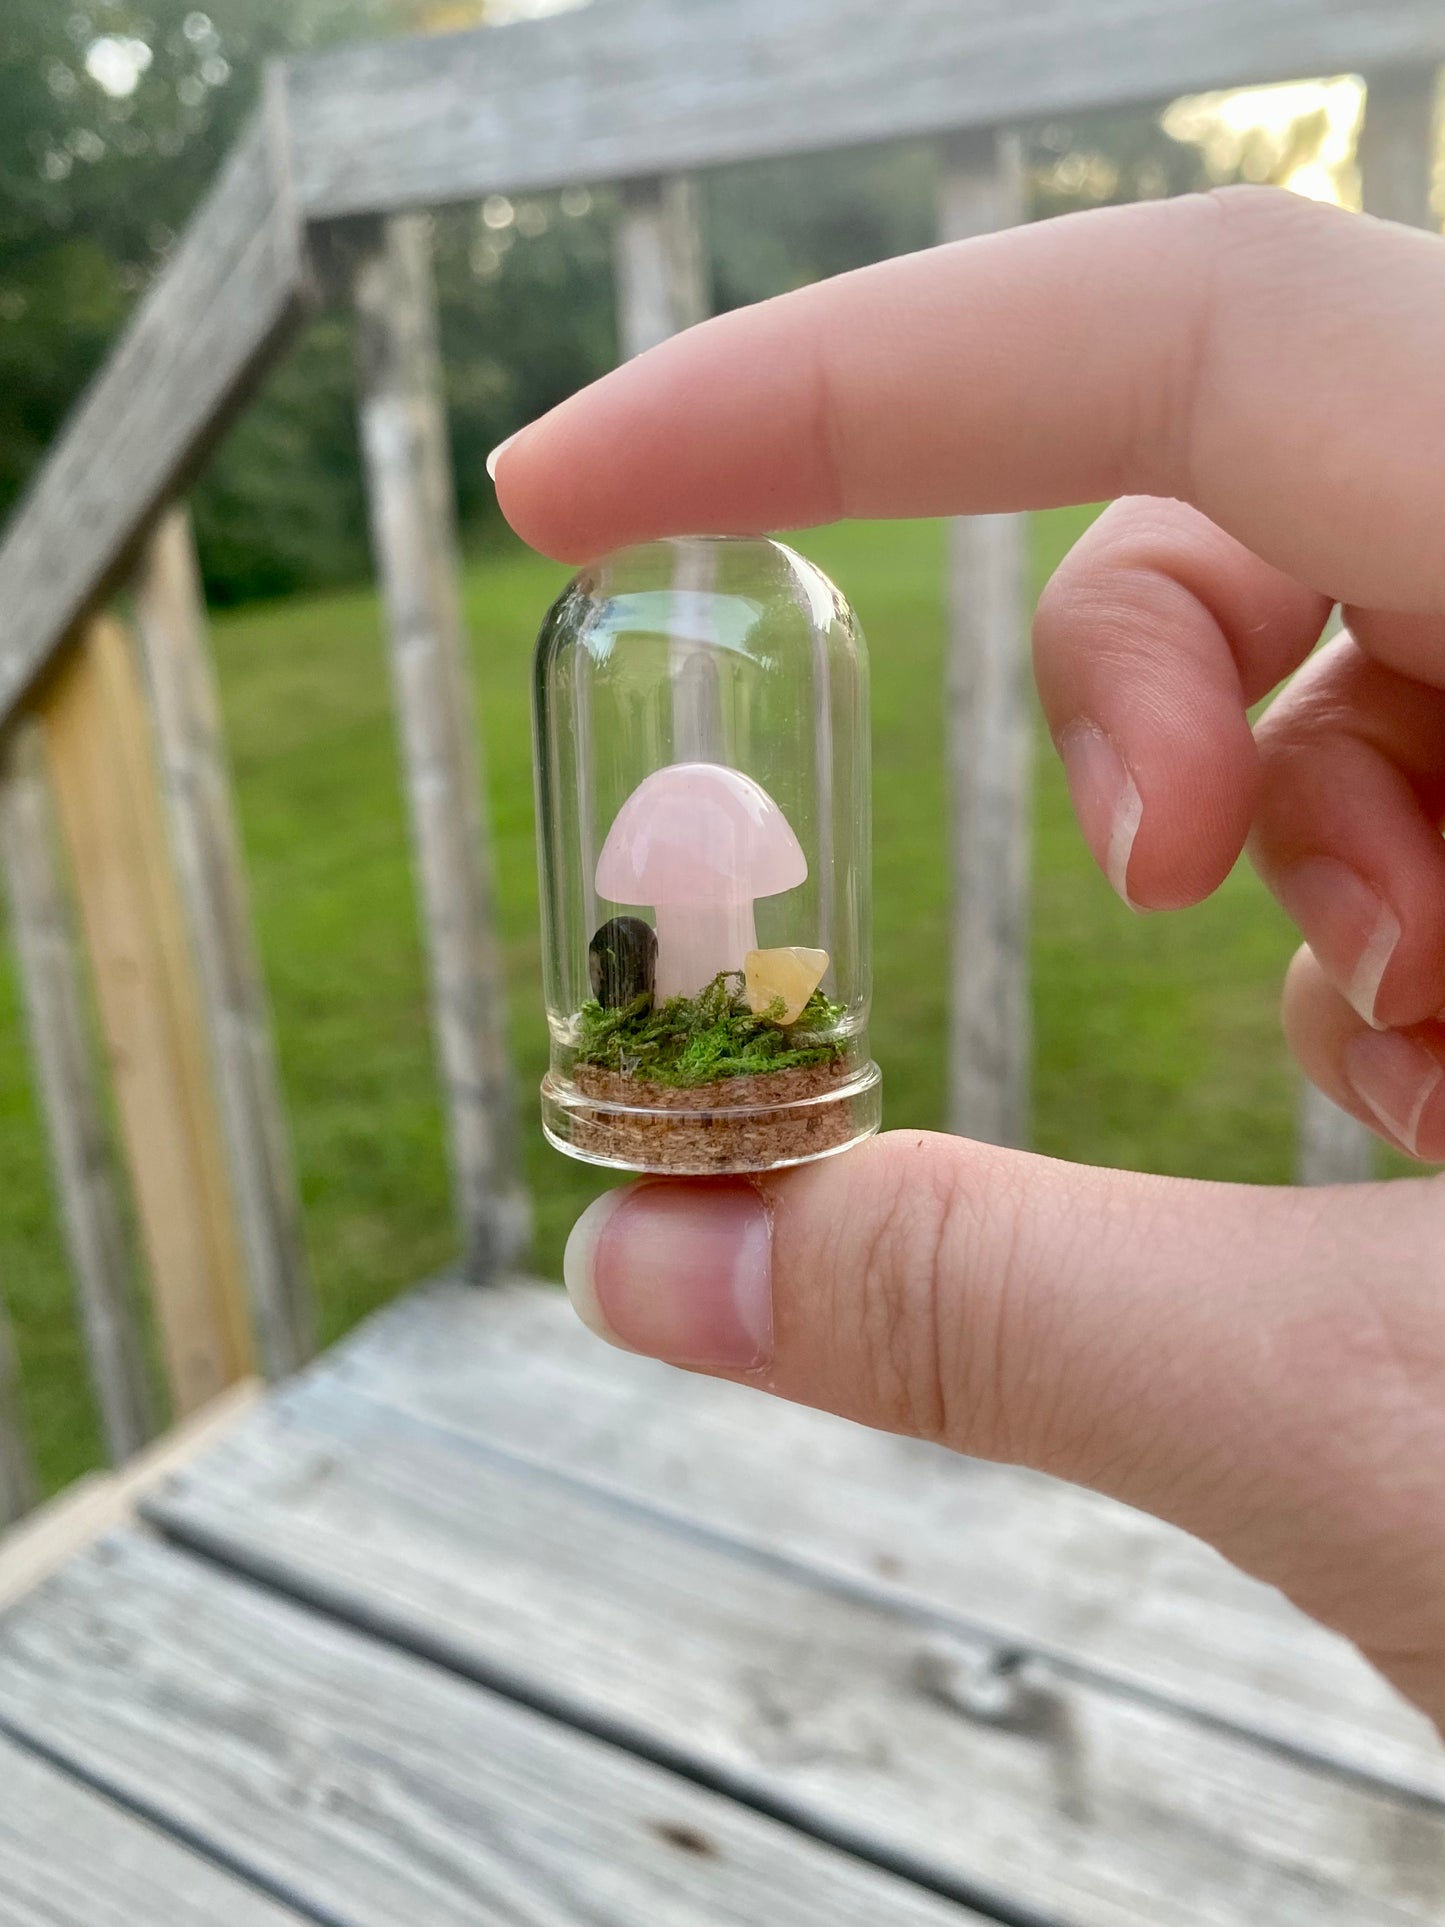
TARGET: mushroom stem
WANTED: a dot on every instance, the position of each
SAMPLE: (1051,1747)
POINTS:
(697,940)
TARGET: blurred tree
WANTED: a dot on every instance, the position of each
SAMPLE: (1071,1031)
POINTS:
(780,224)
(112,119)
(1109,158)
(527,317)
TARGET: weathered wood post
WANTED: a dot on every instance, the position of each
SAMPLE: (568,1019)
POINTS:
(101,755)
(660,263)
(1397,148)
(661,274)
(171,621)
(413,521)
(17,1475)
(989,725)
(52,976)
(1398,143)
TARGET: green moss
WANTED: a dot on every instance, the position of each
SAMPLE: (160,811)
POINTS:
(688,1041)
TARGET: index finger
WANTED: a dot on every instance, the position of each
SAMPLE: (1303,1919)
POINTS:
(1272,361)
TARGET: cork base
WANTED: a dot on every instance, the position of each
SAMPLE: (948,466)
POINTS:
(738,1124)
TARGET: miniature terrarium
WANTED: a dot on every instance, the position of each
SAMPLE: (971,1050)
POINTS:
(701,718)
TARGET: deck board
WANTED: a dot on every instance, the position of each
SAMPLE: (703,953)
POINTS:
(379,1791)
(860,1716)
(70,1858)
(480,1621)
(1031,1559)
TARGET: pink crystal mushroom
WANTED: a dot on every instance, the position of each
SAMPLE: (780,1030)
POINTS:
(699,843)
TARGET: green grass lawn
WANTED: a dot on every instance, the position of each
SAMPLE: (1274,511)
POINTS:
(1156,1037)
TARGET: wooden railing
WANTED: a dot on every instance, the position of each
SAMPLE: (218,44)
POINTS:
(126,887)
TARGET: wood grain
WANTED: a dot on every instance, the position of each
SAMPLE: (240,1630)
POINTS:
(633,88)
(378,1791)
(1396,152)
(71,1858)
(1034,1562)
(171,629)
(409,488)
(918,1742)
(103,772)
(989,736)
(213,319)
(52,978)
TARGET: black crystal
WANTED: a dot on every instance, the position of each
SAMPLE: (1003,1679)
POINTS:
(622,962)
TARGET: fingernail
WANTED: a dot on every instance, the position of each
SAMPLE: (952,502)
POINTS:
(1348,925)
(1395,1079)
(498,452)
(1106,800)
(677,1271)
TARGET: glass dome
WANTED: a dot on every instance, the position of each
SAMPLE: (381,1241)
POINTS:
(701,738)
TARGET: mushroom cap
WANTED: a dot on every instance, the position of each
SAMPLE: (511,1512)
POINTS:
(698,833)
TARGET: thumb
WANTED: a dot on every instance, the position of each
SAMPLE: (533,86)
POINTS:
(1264,1367)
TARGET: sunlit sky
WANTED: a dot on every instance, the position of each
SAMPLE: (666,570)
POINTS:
(115,62)
(1251,128)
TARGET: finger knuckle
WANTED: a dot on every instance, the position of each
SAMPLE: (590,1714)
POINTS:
(933,1273)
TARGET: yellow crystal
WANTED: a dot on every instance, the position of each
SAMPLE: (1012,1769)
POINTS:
(792,973)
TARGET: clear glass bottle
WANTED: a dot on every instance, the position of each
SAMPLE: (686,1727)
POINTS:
(702,764)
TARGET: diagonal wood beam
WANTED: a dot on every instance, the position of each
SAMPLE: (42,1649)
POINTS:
(211,323)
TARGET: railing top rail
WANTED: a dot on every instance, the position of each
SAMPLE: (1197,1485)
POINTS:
(629,88)
(620,89)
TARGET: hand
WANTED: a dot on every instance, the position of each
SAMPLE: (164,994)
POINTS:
(1261,380)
